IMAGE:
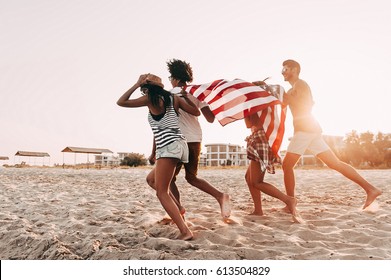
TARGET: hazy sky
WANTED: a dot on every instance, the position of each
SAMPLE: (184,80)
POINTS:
(65,63)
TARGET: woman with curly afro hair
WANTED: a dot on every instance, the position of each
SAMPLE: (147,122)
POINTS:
(181,71)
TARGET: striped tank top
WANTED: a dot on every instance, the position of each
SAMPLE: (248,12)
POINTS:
(166,130)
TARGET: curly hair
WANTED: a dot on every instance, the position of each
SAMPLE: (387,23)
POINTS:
(180,70)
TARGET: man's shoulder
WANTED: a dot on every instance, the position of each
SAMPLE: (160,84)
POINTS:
(176,90)
(301,82)
(302,85)
(199,104)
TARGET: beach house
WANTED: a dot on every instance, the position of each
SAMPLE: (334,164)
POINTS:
(222,154)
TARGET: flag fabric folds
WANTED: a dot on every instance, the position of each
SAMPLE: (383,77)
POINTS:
(232,100)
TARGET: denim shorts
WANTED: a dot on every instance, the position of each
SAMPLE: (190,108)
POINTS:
(177,149)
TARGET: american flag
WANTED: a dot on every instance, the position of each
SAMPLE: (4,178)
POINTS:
(237,99)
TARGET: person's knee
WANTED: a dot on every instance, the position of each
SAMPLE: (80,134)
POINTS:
(251,185)
(336,165)
(191,178)
(150,181)
(247,178)
(287,166)
(160,193)
(174,188)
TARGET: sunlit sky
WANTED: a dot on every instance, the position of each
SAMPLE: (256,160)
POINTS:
(65,63)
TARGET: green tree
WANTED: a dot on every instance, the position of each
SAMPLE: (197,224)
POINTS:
(367,148)
(383,144)
(134,160)
(382,141)
(353,153)
(370,154)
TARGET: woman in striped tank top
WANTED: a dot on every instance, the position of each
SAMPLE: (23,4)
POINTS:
(170,143)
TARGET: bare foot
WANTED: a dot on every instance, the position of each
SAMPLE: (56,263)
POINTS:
(168,221)
(225,206)
(165,221)
(291,207)
(371,196)
(256,213)
(297,219)
(186,236)
(285,209)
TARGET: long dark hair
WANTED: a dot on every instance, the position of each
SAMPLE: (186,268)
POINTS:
(155,93)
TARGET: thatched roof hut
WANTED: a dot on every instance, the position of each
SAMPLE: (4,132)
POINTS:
(31,154)
(80,150)
(28,154)
(86,150)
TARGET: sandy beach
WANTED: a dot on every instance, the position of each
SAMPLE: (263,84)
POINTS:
(53,213)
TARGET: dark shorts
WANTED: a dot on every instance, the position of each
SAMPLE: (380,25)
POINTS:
(258,149)
(191,167)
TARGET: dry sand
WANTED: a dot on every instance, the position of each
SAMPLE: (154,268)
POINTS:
(52,213)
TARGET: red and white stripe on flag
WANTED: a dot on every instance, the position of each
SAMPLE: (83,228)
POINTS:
(236,99)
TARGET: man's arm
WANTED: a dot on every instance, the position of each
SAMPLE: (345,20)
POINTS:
(186,104)
(288,97)
(297,94)
(208,114)
(247,121)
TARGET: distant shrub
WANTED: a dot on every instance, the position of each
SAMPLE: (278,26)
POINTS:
(134,160)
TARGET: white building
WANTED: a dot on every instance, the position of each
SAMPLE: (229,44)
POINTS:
(221,154)
(202,160)
(122,155)
(106,160)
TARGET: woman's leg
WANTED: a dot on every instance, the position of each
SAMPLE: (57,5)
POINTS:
(288,166)
(165,168)
(257,180)
(255,194)
(151,182)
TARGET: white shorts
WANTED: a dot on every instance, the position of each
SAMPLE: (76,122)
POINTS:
(303,141)
(177,149)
